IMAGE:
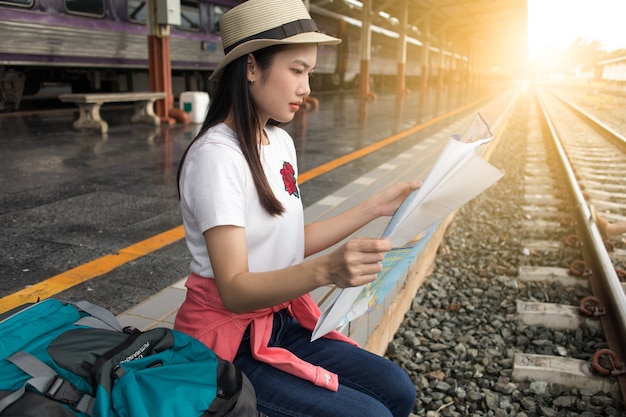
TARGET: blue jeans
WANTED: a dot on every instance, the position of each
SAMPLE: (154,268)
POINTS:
(369,385)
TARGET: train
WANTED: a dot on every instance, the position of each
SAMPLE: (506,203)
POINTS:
(49,47)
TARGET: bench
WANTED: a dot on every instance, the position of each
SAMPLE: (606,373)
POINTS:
(89,107)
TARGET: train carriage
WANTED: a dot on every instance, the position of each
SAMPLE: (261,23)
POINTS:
(98,45)
(48,47)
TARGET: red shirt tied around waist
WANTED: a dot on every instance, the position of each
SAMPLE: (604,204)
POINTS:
(224,330)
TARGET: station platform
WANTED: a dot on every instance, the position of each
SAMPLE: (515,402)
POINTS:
(94,216)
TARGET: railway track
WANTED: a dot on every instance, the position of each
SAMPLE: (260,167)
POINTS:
(522,314)
(593,161)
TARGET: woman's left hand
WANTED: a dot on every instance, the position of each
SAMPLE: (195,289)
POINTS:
(388,200)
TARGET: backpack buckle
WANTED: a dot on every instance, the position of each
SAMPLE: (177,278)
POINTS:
(62,390)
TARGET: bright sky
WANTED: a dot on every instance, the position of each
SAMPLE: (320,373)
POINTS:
(558,23)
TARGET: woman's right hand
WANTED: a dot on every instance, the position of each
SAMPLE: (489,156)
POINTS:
(357,262)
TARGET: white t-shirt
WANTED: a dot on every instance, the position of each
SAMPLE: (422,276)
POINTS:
(217,189)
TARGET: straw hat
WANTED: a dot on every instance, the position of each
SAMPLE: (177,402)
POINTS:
(256,24)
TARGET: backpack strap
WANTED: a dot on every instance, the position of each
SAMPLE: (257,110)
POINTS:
(229,388)
(106,356)
(46,381)
(99,317)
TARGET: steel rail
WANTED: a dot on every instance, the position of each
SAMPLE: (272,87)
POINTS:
(593,121)
(604,281)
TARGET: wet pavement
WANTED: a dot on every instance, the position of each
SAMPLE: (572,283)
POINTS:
(69,197)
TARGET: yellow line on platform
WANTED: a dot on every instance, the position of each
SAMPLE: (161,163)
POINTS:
(107,263)
(95,268)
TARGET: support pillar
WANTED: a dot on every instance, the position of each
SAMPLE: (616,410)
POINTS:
(159,63)
(442,63)
(159,72)
(401,74)
(366,51)
(425,73)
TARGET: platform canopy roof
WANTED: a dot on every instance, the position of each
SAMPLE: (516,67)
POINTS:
(493,31)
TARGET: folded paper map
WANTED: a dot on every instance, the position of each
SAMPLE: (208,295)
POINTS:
(458,175)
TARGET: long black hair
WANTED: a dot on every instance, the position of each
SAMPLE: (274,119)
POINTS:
(232,95)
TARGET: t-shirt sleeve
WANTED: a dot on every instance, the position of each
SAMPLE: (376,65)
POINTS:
(213,186)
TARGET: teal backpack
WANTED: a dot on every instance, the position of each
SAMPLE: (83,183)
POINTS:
(61,359)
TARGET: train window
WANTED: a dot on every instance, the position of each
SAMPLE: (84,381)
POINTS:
(217,12)
(20,3)
(137,11)
(85,7)
(189,15)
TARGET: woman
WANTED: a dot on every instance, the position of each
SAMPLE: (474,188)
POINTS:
(248,291)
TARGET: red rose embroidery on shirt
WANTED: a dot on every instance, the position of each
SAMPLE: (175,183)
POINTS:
(289,179)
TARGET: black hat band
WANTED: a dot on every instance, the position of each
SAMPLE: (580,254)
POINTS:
(281,32)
